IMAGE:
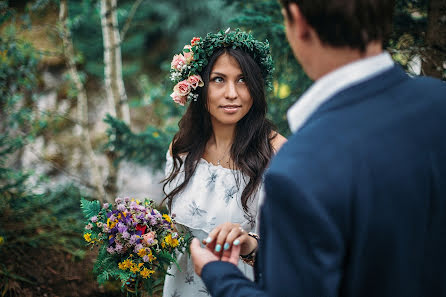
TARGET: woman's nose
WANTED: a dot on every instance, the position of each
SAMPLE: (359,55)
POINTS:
(231,91)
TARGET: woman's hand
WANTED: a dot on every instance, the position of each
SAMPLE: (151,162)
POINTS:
(226,235)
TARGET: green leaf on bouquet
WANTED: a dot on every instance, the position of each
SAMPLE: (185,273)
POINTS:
(90,208)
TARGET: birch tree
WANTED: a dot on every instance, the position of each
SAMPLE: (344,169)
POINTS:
(114,84)
(82,129)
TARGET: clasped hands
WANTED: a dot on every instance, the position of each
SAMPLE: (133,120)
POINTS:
(225,243)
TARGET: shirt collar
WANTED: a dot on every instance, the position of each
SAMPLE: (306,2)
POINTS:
(330,84)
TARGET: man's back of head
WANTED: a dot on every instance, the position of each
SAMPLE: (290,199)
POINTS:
(347,23)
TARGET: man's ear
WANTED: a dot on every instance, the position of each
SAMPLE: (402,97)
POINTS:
(298,21)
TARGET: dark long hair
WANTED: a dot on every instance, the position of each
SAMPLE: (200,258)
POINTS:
(251,150)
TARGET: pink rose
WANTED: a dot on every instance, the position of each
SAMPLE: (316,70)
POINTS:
(189,56)
(181,100)
(182,88)
(178,62)
(149,238)
(195,81)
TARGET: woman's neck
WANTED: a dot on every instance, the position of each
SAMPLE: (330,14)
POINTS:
(222,137)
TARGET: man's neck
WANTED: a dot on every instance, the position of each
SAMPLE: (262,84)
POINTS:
(331,58)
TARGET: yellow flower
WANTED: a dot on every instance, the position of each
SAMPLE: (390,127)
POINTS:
(111,224)
(151,257)
(155,134)
(125,264)
(2,240)
(87,237)
(167,218)
(122,266)
(146,273)
(173,242)
(134,268)
(142,252)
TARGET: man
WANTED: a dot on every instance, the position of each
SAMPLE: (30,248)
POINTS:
(356,200)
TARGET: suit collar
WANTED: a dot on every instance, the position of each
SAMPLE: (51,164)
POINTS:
(334,82)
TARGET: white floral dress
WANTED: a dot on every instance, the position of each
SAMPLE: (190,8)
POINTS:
(210,198)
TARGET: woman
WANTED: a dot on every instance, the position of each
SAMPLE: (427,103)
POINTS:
(216,160)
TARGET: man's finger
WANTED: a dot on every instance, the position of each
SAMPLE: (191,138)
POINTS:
(194,244)
(235,254)
(232,255)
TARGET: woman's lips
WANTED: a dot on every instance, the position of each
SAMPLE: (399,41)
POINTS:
(231,108)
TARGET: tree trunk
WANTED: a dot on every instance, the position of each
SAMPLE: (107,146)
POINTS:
(435,57)
(82,102)
(114,84)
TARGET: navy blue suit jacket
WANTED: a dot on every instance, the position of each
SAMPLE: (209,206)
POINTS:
(356,199)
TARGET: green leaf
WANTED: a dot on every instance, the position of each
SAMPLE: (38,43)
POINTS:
(90,208)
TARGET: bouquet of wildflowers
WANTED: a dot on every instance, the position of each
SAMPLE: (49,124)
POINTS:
(137,243)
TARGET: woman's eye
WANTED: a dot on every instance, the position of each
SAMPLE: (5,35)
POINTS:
(241,80)
(217,79)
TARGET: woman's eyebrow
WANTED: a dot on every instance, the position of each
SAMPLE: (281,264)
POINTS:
(218,73)
(222,74)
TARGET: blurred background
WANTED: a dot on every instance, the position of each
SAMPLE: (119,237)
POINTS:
(85,111)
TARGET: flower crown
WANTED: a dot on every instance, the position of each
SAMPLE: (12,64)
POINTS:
(186,66)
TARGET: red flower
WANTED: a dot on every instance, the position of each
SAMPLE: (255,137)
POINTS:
(141,228)
(194,41)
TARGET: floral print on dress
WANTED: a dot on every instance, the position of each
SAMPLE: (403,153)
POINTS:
(189,278)
(205,290)
(212,221)
(211,180)
(251,220)
(230,193)
(195,210)
(211,197)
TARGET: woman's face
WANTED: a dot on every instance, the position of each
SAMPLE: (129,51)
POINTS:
(229,99)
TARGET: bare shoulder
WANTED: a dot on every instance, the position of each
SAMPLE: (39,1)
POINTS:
(170,149)
(277,141)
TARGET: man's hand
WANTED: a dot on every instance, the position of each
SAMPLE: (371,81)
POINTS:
(202,256)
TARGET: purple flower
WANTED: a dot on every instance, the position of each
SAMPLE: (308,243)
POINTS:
(125,234)
(118,247)
(122,228)
(145,258)
(94,219)
(110,250)
(138,247)
(133,239)
(89,226)
(105,206)
(134,205)
(119,200)
(112,217)
(121,207)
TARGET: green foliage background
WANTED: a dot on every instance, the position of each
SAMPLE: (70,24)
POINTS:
(35,215)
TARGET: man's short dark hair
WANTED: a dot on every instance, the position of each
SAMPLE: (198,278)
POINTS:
(353,23)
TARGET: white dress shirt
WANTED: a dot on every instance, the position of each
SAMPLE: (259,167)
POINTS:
(334,82)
